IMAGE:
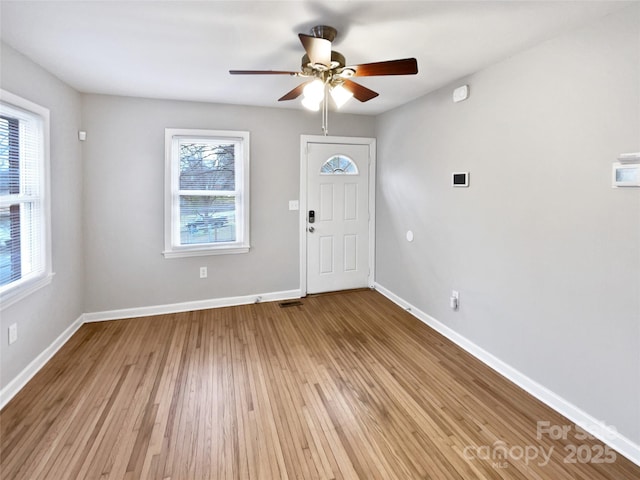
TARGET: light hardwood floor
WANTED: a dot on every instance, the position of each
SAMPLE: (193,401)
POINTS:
(343,386)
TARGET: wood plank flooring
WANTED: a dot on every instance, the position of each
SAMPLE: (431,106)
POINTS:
(344,386)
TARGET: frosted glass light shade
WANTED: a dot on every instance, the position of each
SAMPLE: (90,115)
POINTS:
(340,95)
(314,91)
(312,105)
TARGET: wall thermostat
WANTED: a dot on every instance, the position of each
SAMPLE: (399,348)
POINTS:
(626,171)
(460,179)
(626,174)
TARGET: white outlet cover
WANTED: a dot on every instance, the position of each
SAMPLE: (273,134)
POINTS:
(13,333)
(294,205)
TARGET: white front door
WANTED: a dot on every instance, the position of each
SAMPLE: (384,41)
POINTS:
(337,216)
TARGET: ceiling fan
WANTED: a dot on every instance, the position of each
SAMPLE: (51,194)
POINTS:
(326,70)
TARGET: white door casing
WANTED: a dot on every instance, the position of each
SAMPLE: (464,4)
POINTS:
(337,250)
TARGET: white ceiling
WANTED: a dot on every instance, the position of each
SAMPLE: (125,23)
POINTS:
(183,50)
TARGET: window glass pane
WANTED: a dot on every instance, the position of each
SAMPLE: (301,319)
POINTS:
(4,157)
(5,246)
(207,166)
(339,165)
(9,156)
(10,258)
(207,219)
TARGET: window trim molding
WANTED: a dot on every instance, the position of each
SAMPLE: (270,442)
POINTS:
(26,286)
(173,251)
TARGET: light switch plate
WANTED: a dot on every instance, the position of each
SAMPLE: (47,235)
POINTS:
(13,333)
(294,205)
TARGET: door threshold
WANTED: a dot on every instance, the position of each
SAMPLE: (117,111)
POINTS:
(338,292)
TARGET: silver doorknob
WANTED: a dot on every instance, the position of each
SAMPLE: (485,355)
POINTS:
(312,229)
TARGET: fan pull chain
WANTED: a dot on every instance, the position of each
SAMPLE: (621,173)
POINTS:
(325,113)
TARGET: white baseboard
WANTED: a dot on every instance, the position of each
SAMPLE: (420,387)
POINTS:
(15,385)
(190,306)
(581,418)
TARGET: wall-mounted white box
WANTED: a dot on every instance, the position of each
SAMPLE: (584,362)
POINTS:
(626,171)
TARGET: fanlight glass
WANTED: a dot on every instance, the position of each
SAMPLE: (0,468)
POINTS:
(339,165)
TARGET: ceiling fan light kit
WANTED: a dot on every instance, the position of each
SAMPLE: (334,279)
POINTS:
(340,95)
(330,76)
(314,91)
(309,104)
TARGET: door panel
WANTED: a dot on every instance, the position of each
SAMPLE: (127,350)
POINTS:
(338,243)
(326,202)
(351,201)
(326,255)
(350,253)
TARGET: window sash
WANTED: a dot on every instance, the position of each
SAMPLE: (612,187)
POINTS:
(238,233)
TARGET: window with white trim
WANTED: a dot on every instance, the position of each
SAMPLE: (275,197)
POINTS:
(25,245)
(207,192)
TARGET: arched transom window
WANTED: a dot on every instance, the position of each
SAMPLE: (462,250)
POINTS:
(339,165)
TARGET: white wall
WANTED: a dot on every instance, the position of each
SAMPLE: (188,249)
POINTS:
(545,254)
(44,315)
(123,212)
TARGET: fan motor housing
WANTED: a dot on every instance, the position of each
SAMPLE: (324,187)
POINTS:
(337,61)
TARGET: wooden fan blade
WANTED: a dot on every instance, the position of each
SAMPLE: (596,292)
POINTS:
(295,93)
(262,72)
(405,66)
(359,92)
(318,49)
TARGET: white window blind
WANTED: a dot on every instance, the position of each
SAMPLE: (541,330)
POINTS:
(24,235)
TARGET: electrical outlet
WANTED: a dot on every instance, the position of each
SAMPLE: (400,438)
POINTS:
(13,333)
(203,272)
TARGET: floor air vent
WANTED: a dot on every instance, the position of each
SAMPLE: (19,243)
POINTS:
(291,303)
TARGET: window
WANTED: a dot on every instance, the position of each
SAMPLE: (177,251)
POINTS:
(207,192)
(339,165)
(25,246)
